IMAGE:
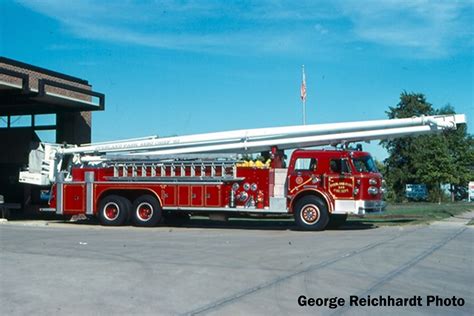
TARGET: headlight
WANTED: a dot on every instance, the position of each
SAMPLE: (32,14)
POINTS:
(253,187)
(372,181)
(373,190)
(246,186)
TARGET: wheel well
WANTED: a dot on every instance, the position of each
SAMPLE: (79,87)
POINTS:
(308,193)
(130,194)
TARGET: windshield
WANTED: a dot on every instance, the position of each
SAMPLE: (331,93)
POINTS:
(365,164)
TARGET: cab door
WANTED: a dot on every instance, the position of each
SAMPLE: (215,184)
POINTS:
(303,174)
(340,180)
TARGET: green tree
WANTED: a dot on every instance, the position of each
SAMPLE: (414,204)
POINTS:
(434,160)
(460,146)
(400,166)
(433,164)
(411,104)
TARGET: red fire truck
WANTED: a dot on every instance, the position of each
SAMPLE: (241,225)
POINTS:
(160,177)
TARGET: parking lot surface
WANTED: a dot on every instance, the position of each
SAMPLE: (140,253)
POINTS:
(249,268)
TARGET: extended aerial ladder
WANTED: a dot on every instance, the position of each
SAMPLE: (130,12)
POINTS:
(48,160)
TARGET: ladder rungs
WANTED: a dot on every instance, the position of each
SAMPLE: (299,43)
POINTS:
(176,169)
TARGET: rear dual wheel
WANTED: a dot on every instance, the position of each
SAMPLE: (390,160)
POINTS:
(114,210)
(146,211)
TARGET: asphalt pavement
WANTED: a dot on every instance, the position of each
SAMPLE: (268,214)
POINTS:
(249,268)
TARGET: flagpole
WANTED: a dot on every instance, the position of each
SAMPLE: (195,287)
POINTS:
(304,112)
(303,93)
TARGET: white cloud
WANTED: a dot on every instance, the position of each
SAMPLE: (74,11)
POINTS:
(320,29)
(433,29)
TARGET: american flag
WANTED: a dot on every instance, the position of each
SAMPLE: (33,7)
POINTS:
(303,87)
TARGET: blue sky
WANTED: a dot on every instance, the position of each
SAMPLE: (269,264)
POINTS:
(181,67)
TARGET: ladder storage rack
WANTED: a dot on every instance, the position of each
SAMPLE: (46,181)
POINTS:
(176,171)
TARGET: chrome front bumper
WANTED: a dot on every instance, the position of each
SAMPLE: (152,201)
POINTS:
(358,207)
(363,207)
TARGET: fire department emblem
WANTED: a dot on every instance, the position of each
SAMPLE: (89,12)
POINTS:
(299,180)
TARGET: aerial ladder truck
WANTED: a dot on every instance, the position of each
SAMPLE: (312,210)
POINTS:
(147,179)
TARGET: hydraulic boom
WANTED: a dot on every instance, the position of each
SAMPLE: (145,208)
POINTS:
(50,159)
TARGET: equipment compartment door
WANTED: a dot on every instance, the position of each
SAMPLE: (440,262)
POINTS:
(184,195)
(196,196)
(168,195)
(74,198)
(213,195)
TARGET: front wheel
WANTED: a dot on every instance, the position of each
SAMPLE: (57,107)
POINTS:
(146,211)
(311,213)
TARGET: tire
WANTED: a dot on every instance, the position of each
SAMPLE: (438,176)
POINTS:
(337,220)
(311,213)
(114,210)
(146,211)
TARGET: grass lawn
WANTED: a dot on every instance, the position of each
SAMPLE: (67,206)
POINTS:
(414,213)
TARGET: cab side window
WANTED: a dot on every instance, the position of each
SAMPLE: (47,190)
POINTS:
(339,166)
(306,164)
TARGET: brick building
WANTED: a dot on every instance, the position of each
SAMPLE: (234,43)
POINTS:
(28,92)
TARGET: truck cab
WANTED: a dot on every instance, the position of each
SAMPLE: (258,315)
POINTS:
(334,182)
